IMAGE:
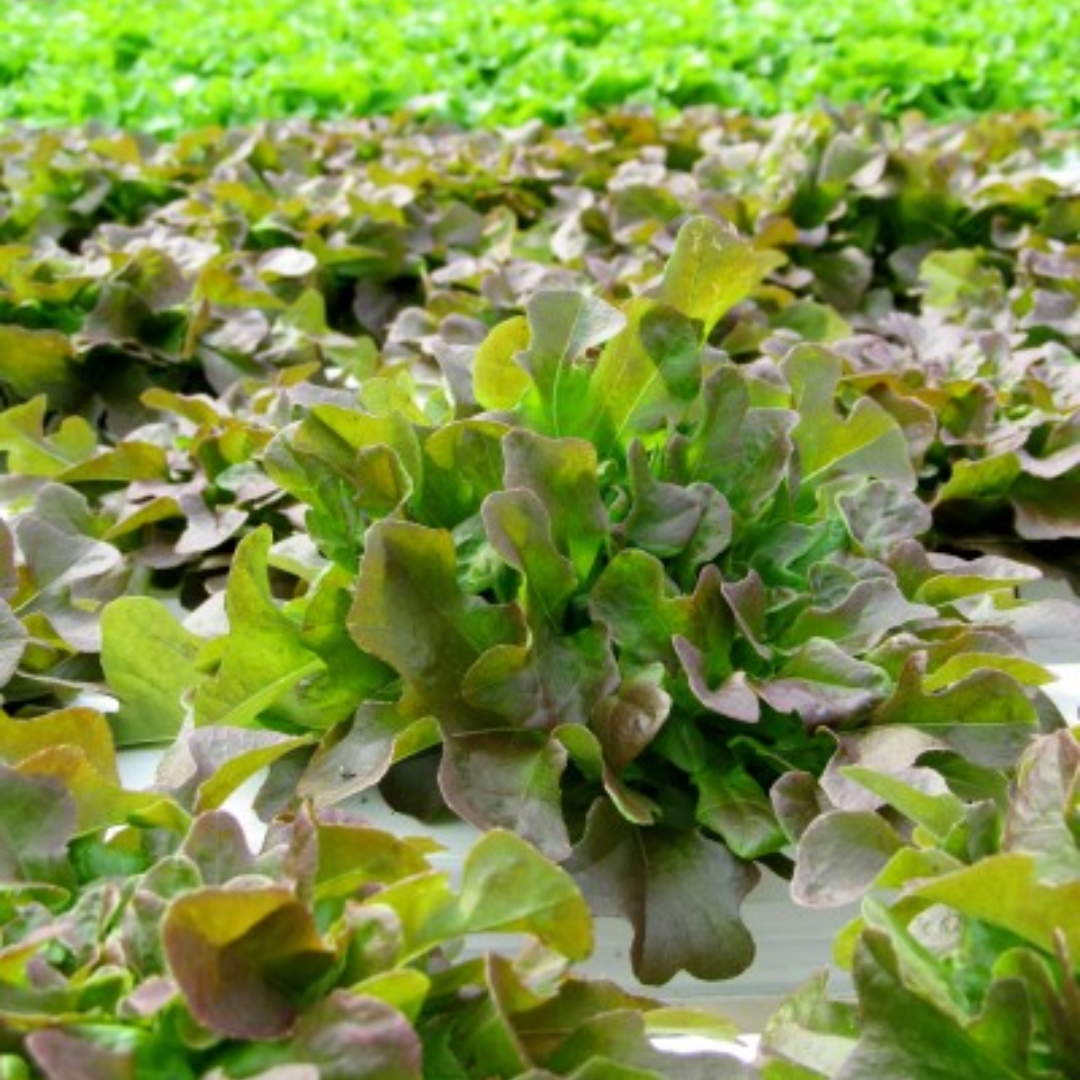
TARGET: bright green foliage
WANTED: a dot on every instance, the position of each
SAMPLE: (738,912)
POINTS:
(156,68)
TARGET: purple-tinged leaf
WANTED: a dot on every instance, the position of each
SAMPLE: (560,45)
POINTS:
(243,957)
(553,680)
(562,474)
(822,684)
(218,847)
(798,800)
(733,699)
(510,780)
(519,529)
(859,621)
(205,766)
(879,514)
(986,716)
(1043,811)
(680,891)
(840,855)
(692,524)
(14,639)
(353,1036)
(633,599)
(37,819)
(627,721)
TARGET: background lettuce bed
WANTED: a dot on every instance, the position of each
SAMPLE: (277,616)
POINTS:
(641,488)
(195,63)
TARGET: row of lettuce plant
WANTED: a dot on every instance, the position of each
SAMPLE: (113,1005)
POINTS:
(639,571)
(615,600)
(965,954)
(940,261)
(143,937)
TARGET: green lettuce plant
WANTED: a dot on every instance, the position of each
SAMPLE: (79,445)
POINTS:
(965,956)
(615,602)
(141,940)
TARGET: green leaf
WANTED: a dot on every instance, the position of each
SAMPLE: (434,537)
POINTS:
(632,598)
(264,656)
(126,463)
(867,442)
(563,326)
(646,376)
(744,452)
(36,362)
(353,857)
(32,452)
(983,478)
(410,612)
(711,269)
(811,1031)
(562,474)
(519,529)
(100,802)
(350,676)
(498,380)
(733,805)
(149,661)
(905,1035)
(507,887)
(1004,890)
(939,813)
(79,727)
(463,464)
